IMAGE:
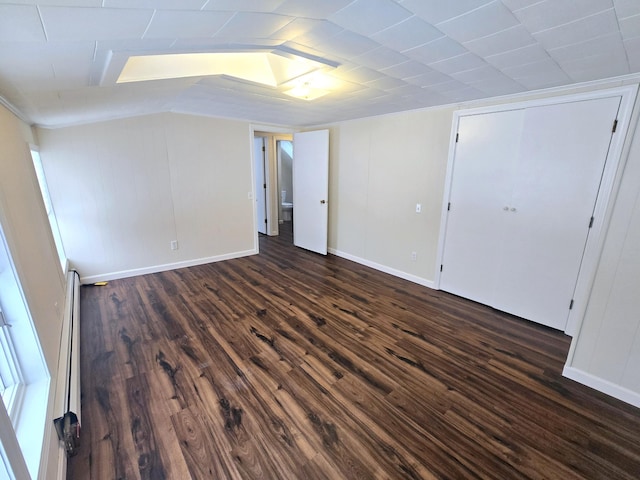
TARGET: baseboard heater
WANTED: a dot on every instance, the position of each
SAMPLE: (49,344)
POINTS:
(67,404)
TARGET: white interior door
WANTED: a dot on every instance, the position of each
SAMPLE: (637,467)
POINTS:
(561,160)
(310,190)
(524,187)
(261,184)
(482,177)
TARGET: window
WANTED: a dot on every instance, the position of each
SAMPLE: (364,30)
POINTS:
(24,378)
(10,374)
(51,215)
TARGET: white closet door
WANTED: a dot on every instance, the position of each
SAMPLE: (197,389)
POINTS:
(482,181)
(561,159)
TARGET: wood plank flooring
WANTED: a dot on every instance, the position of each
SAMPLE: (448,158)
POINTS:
(290,365)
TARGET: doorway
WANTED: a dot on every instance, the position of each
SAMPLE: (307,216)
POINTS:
(273,161)
(284,154)
(297,207)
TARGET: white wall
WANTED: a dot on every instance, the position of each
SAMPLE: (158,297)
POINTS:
(606,352)
(123,190)
(380,168)
(31,245)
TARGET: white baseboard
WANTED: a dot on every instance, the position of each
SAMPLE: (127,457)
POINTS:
(383,268)
(104,277)
(604,386)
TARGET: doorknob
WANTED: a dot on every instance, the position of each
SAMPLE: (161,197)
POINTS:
(323,202)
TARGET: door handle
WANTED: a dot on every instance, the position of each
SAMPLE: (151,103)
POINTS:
(323,202)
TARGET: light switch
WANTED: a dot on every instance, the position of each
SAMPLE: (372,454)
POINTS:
(418,208)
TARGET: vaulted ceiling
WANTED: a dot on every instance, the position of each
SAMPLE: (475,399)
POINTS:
(57,56)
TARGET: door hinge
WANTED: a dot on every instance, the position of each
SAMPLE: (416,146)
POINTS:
(571,304)
(264,185)
(448,206)
(457,137)
(615,126)
(591,222)
(264,149)
(440,267)
(265,220)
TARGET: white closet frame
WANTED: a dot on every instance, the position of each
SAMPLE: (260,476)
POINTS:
(608,189)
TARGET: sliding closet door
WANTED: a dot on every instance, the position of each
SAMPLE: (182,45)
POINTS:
(483,170)
(561,159)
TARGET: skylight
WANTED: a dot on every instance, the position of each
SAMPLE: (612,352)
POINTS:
(264,67)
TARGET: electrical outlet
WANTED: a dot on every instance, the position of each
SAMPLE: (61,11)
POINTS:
(418,208)
(414,256)
(174,244)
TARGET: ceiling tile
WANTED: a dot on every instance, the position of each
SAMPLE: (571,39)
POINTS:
(482,73)
(626,8)
(20,23)
(153,4)
(252,25)
(357,75)
(359,17)
(320,32)
(597,66)
(265,6)
(185,24)
(501,41)
(69,23)
(436,11)
(311,8)
(497,86)
(436,50)
(450,86)
(461,63)
(518,4)
(410,68)
(538,75)
(581,30)
(608,44)
(547,66)
(551,13)
(379,58)
(407,34)
(464,94)
(296,28)
(630,27)
(479,23)
(385,83)
(406,90)
(427,79)
(347,44)
(520,56)
(60,3)
(632,47)
(538,81)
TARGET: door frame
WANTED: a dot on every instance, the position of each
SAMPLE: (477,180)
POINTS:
(271,134)
(608,188)
(260,166)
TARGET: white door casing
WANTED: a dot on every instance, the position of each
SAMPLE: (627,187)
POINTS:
(310,190)
(261,192)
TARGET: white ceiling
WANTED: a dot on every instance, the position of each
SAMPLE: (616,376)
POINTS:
(394,55)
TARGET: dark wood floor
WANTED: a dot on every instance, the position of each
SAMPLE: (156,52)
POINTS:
(290,365)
